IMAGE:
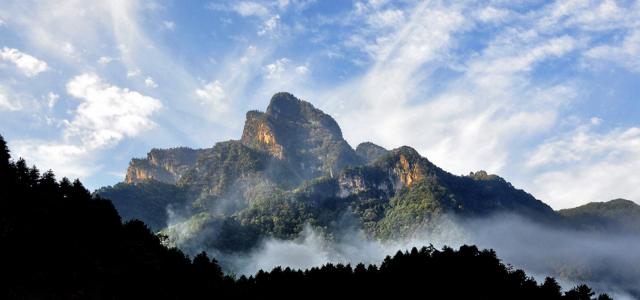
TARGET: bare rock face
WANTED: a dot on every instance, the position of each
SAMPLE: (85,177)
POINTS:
(390,172)
(370,151)
(164,165)
(292,165)
(408,171)
(259,133)
(295,131)
(365,179)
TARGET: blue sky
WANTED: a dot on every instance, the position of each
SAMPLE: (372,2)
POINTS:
(545,94)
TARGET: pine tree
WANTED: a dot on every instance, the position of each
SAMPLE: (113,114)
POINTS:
(5,156)
(5,167)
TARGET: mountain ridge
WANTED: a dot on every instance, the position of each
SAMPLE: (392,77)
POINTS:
(292,168)
(617,215)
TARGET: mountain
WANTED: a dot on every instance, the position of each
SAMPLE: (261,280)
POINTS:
(618,215)
(60,242)
(164,165)
(292,167)
(294,131)
(369,151)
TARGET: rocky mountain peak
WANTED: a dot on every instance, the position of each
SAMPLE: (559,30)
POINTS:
(370,151)
(287,106)
(622,202)
(165,165)
(295,131)
(284,108)
(293,161)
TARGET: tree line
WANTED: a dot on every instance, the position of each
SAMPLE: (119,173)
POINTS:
(57,241)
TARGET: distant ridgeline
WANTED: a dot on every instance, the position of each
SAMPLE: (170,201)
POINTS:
(292,167)
(59,242)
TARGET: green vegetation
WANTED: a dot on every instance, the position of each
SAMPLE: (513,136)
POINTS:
(430,273)
(412,209)
(158,196)
(617,215)
(370,151)
(292,168)
(60,242)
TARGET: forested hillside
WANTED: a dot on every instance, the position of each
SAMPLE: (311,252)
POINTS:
(292,168)
(59,242)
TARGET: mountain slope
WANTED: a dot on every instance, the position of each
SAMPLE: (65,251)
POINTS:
(370,151)
(419,191)
(292,167)
(618,215)
(59,242)
(164,165)
(295,131)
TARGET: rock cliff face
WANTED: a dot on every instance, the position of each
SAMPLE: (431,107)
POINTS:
(390,172)
(259,134)
(295,131)
(365,179)
(293,167)
(164,165)
(370,151)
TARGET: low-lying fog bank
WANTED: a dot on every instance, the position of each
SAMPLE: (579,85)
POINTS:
(607,262)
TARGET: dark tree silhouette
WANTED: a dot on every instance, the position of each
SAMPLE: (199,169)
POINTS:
(57,241)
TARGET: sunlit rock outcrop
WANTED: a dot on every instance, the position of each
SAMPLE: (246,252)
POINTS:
(164,165)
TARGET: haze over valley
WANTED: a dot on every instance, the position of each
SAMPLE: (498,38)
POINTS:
(158,149)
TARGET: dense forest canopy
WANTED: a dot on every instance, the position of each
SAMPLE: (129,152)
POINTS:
(60,242)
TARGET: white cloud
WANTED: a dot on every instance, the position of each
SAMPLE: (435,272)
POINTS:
(133,72)
(105,60)
(476,120)
(626,54)
(112,30)
(595,121)
(52,98)
(417,83)
(282,4)
(68,30)
(504,58)
(270,26)
(584,166)
(213,96)
(69,49)
(492,14)
(66,160)
(386,18)
(584,18)
(284,75)
(6,103)
(276,69)
(302,70)
(150,83)
(108,113)
(27,64)
(250,8)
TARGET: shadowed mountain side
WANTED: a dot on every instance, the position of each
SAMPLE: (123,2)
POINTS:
(292,167)
(158,198)
(616,215)
(370,151)
(300,134)
(59,242)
